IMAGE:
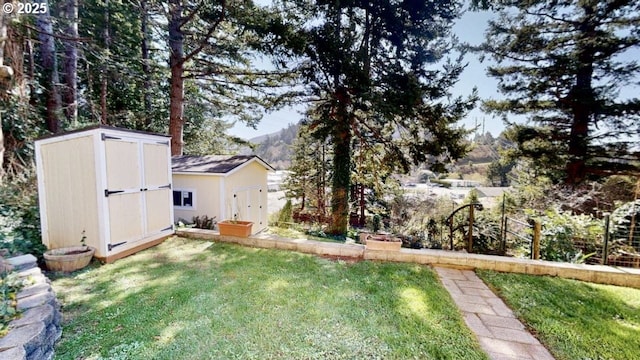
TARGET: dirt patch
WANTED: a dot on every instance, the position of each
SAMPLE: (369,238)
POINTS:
(347,259)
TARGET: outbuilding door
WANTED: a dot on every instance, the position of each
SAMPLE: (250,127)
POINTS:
(157,187)
(138,189)
(248,206)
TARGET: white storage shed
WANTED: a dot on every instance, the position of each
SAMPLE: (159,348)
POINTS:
(111,185)
(226,187)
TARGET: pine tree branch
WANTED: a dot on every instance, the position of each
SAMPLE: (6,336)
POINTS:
(190,17)
(549,16)
(61,37)
(205,40)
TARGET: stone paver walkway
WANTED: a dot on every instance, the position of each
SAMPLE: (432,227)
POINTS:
(498,330)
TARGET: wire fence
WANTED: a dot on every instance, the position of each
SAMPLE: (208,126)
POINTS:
(517,237)
(524,237)
(622,242)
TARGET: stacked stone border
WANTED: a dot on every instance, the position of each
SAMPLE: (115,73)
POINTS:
(34,334)
(592,273)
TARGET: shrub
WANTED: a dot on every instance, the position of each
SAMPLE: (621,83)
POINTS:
(204,222)
(420,221)
(567,237)
(625,227)
(20,217)
(377,222)
(486,233)
(286,213)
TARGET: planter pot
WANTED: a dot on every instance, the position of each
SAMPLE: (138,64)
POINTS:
(68,259)
(235,228)
(383,243)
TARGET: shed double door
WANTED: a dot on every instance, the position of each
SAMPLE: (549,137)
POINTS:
(138,189)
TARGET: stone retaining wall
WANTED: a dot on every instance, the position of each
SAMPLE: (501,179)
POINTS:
(593,273)
(270,241)
(35,333)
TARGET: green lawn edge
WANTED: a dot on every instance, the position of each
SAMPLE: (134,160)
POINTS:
(190,299)
(573,319)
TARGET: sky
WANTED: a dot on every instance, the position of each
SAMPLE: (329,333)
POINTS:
(469,29)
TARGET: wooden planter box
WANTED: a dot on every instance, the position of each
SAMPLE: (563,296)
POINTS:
(383,243)
(68,259)
(235,228)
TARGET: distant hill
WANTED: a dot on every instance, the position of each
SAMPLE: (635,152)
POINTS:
(484,149)
(275,148)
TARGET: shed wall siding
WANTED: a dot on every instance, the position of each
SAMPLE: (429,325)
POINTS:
(68,165)
(207,195)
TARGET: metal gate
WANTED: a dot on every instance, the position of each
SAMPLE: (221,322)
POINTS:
(518,234)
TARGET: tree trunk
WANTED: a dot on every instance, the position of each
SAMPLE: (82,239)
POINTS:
(32,69)
(363,206)
(341,137)
(49,71)
(146,66)
(70,93)
(104,81)
(341,165)
(176,62)
(323,184)
(4,82)
(304,195)
(582,97)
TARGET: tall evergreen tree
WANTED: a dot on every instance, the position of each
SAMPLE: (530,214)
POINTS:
(70,63)
(213,44)
(566,64)
(146,59)
(371,68)
(371,178)
(205,132)
(308,173)
(114,78)
(49,70)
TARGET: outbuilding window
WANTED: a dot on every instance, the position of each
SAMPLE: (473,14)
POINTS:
(184,199)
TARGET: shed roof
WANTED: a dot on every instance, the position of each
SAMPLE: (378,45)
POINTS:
(101,127)
(213,164)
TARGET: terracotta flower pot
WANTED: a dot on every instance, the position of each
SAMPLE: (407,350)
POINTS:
(235,228)
(68,259)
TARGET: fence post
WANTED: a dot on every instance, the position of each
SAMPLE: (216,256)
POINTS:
(470,240)
(503,227)
(504,234)
(535,248)
(605,251)
(451,234)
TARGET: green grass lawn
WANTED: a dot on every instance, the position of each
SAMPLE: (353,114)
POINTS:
(575,320)
(187,299)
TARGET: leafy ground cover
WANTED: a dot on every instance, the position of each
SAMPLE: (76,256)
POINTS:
(574,319)
(10,285)
(309,234)
(188,299)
